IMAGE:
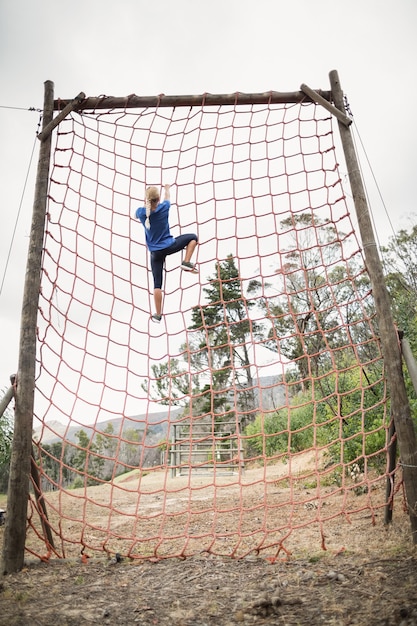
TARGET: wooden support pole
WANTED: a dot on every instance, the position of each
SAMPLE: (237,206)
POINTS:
(316,97)
(40,502)
(43,514)
(67,109)
(400,407)
(409,360)
(392,445)
(6,399)
(392,461)
(18,491)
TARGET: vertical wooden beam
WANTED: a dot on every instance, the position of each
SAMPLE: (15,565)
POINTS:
(392,462)
(18,491)
(409,360)
(400,408)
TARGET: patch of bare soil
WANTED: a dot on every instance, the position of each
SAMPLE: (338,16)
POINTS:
(213,591)
(365,576)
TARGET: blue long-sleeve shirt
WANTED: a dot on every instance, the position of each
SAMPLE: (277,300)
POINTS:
(158,236)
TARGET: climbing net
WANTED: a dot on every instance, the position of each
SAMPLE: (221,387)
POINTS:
(255,414)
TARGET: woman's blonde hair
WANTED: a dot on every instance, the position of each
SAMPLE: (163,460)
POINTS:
(151,197)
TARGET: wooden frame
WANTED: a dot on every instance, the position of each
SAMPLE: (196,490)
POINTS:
(20,468)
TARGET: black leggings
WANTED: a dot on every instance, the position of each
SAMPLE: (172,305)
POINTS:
(158,256)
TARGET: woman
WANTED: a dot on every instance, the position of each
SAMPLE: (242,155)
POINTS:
(154,217)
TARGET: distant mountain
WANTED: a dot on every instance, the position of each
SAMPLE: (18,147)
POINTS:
(270,390)
(54,431)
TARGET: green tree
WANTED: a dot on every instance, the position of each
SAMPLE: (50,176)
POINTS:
(106,446)
(400,268)
(315,418)
(51,464)
(220,337)
(132,447)
(86,459)
(171,384)
(213,374)
(324,311)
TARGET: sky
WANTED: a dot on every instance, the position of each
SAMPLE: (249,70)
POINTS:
(194,47)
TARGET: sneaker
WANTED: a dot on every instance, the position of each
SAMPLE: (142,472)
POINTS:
(156,318)
(188,267)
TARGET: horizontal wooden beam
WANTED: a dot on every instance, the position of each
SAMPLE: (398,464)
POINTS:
(206,99)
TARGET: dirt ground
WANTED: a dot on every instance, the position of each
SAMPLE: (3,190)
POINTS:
(366,576)
(348,589)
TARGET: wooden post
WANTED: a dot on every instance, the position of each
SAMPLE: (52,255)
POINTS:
(35,476)
(400,407)
(18,491)
(392,461)
(43,515)
(6,399)
(409,360)
(316,97)
(47,130)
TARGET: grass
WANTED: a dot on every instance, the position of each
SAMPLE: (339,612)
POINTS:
(133,474)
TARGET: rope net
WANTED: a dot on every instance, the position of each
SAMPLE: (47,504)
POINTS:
(254,417)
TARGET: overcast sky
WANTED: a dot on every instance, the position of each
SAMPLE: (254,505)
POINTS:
(193,47)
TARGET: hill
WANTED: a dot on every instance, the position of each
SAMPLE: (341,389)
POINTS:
(54,431)
(271,392)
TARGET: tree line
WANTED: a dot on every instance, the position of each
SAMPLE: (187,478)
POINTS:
(315,313)
(96,458)
(320,319)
